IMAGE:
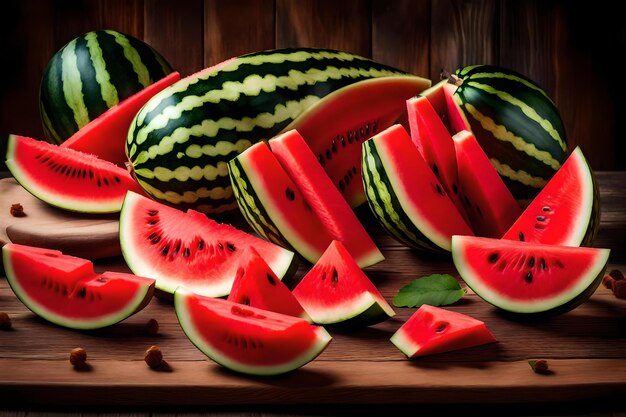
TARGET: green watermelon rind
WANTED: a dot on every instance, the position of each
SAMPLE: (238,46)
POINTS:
(323,339)
(135,304)
(587,284)
(365,310)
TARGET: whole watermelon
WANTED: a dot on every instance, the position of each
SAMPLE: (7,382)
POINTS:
(515,122)
(91,74)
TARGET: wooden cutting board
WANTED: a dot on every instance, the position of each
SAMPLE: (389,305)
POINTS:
(90,236)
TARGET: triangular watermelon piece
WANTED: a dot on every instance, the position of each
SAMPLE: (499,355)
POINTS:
(258,286)
(489,204)
(336,291)
(433,330)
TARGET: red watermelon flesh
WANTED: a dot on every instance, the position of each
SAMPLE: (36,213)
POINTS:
(258,286)
(526,277)
(66,291)
(105,136)
(189,249)
(67,178)
(248,339)
(566,211)
(432,330)
(297,159)
(441,97)
(489,204)
(336,290)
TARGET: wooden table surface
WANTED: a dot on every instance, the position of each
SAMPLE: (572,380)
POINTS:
(360,371)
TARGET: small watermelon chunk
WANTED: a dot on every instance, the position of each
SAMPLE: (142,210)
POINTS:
(66,178)
(566,211)
(490,206)
(432,330)
(258,286)
(189,249)
(523,277)
(247,339)
(66,291)
(105,136)
(405,196)
(336,291)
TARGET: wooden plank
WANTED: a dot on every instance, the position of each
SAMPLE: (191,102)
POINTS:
(401,34)
(125,16)
(237,28)
(175,29)
(343,25)
(462,33)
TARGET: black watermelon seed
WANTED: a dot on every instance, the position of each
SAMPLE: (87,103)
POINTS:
(84,173)
(90,174)
(342,186)
(117,179)
(245,301)
(219,245)
(320,158)
(343,141)
(541,218)
(63,169)
(531,262)
(323,275)
(367,129)
(354,169)
(165,250)
(436,169)
(106,182)
(201,244)
(441,327)
(186,253)
(328,154)
(271,279)
(153,222)
(153,212)
(346,179)
(58,168)
(291,195)
(439,189)
(230,246)
(455,189)
(542,264)
(156,240)
(362,132)
(333,146)
(73,172)
(546,208)
(335,276)
(467,201)
(350,174)
(529,277)
(374,126)
(493,258)
(82,293)
(350,136)
(152,236)
(99,183)
(521,236)
(176,249)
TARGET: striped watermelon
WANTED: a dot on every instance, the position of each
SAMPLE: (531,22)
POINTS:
(515,122)
(181,141)
(91,74)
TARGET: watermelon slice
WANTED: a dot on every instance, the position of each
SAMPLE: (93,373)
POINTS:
(258,286)
(404,194)
(105,136)
(336,291)
(66,178)
(490,206)
(432,330)
(66,291)
(248,339)
(566,211)
(523,277)
(302,211)
(189,249)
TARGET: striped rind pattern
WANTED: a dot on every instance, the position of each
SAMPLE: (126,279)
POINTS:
(516,123)
(91,74)
(212,116)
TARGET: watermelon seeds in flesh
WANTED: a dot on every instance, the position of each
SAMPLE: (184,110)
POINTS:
(246,339)
(189,249)
(258,286)
(66,178)
(337,291)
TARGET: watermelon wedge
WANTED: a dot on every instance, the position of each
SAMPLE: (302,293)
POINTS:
(566,211)
(258,286)
(66,291)
(105,136)
(337,291)
(247,339)
(66,178)
(189,249)
(523,277)
(432,330)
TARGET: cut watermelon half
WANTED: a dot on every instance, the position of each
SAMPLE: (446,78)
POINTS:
(189,249)
(247,339)
(404,194)
(105,136)
(258,286)
(66,291)
(432,330)
(296,211)
(566,211)
(67,178)
(336,291)
(523,277)
(490,206)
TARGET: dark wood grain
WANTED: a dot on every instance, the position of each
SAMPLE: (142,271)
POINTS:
(343,25)
(176,30)
(237,28)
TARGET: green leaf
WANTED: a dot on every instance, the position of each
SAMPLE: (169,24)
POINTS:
(434,290)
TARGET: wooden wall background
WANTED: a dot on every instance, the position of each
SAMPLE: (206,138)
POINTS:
(569,48)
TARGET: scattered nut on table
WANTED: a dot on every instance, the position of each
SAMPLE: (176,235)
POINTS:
(153,357)
(78,357)
(5,321)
